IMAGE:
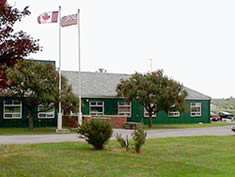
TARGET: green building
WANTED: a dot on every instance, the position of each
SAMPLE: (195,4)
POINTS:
(99,98)
(13,113)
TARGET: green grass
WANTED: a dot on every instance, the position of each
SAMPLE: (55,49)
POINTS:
(173,157)
(26,131)
(176,126)
(51,130)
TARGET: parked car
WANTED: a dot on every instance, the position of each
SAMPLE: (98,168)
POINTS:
(215,117)
(233,128)
(226,115)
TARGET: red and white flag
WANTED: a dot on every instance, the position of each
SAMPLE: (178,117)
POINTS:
(48,17)
(69,20)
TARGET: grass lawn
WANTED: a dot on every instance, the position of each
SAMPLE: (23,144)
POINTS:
(26,131)
(173,157)
(175,126)
(51,130)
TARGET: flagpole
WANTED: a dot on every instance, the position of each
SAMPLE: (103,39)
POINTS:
(59,120)
(79,72)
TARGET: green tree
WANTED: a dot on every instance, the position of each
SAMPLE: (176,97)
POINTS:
(69,101)
(155,91)
(37,84)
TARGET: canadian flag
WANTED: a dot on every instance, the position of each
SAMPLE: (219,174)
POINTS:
(48,17)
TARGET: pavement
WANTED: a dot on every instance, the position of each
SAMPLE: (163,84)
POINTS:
(151,134)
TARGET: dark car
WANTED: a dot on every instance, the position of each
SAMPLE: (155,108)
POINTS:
(215,117)
(233,128)
(226,115)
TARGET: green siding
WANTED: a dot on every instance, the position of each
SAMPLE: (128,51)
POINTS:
(137,114)
(110,105)
(111,108)
(162,117)
(24,121)
(43,61)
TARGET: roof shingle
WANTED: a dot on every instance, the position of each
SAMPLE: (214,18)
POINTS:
(103,85)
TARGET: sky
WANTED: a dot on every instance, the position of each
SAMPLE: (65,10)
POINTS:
(192,41)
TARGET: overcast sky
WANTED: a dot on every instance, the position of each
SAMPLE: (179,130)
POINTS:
(193,41)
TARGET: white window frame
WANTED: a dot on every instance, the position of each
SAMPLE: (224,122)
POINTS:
(195,113)
(96,105)
(146,114)
(174,114)
(124,105)
(48,113)
(12,113)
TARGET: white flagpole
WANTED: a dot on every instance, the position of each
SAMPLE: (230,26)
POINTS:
(59,119)
(79,73)
(151,65)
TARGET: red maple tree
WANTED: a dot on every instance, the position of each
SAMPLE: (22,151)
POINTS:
(14,46)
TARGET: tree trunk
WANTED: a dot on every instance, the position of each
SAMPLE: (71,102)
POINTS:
(150,121)
(137,149)
(31,121)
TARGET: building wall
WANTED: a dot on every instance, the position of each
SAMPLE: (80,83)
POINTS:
(42,61)
(110,108)
(162,117)
(137,113)
(23,122)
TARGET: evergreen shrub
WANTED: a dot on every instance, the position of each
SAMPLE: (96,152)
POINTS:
(95,132)
(139,137)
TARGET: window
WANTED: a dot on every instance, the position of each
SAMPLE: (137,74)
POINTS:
(12,109)
(174,114)
(195,109)
(97,108)
(146,114)
(48,114)
(124,109)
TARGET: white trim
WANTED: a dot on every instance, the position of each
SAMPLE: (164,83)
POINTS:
(125,105)
(12,113)
(47,114)
(99,104)
(173,114)
(195,113)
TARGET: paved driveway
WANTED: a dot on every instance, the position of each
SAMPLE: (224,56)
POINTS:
(54,138)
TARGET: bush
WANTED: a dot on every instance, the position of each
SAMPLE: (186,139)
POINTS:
(139,137)
(95,132)
(124,143)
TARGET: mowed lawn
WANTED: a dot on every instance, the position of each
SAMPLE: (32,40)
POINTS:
(27,131)
(52,130)
(181,157)
(177,126)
